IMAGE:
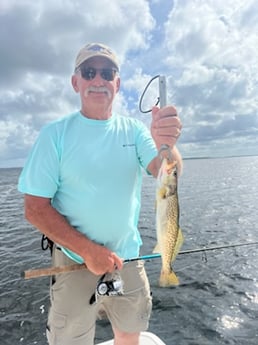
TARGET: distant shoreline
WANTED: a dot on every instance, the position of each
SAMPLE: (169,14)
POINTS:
(219,157)
(184,159)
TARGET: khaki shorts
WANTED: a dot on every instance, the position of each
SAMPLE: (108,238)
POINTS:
(72,319)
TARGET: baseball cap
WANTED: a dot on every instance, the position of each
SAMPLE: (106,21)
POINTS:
(93,50)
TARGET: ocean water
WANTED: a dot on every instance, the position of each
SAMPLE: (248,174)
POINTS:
(217,299)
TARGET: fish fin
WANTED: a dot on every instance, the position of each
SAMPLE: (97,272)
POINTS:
(162,192)
(168,279)
(179,242)
(177,156)
(156,249)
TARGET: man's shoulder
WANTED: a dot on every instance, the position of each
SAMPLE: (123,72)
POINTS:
(61,121)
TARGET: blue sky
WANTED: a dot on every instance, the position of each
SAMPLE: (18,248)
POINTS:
(206,49)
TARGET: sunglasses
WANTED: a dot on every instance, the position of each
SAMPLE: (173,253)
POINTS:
(89,73)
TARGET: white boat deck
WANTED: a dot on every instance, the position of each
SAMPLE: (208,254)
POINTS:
(146,338)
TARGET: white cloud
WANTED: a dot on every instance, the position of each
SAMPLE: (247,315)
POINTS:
(211,51)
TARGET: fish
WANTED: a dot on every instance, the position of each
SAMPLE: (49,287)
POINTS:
(169,234)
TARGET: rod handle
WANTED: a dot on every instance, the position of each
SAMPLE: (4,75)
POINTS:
(49,271)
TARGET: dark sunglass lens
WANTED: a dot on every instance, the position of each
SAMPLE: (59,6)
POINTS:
(88,73)
(108,74)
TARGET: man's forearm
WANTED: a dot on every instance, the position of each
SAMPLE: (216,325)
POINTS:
(40,213)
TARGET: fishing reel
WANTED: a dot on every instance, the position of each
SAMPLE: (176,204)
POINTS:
(109,284)
(109,288)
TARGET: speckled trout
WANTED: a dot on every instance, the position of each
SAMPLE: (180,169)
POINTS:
(169,234)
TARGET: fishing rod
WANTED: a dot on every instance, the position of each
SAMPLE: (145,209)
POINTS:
(205,249)
(48,271)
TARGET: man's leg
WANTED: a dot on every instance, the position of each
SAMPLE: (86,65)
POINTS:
(71,319)
(129,313)
(123,338)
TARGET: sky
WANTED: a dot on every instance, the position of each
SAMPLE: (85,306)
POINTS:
(207,50)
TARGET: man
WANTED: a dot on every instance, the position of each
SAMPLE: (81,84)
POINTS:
(82,184)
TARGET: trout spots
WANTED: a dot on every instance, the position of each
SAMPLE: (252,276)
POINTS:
(169,235)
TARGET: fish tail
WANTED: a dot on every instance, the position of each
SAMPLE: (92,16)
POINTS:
(168,279)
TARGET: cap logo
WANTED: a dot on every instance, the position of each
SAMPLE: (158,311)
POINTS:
(97,48)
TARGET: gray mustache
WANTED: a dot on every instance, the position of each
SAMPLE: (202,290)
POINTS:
(98,89)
